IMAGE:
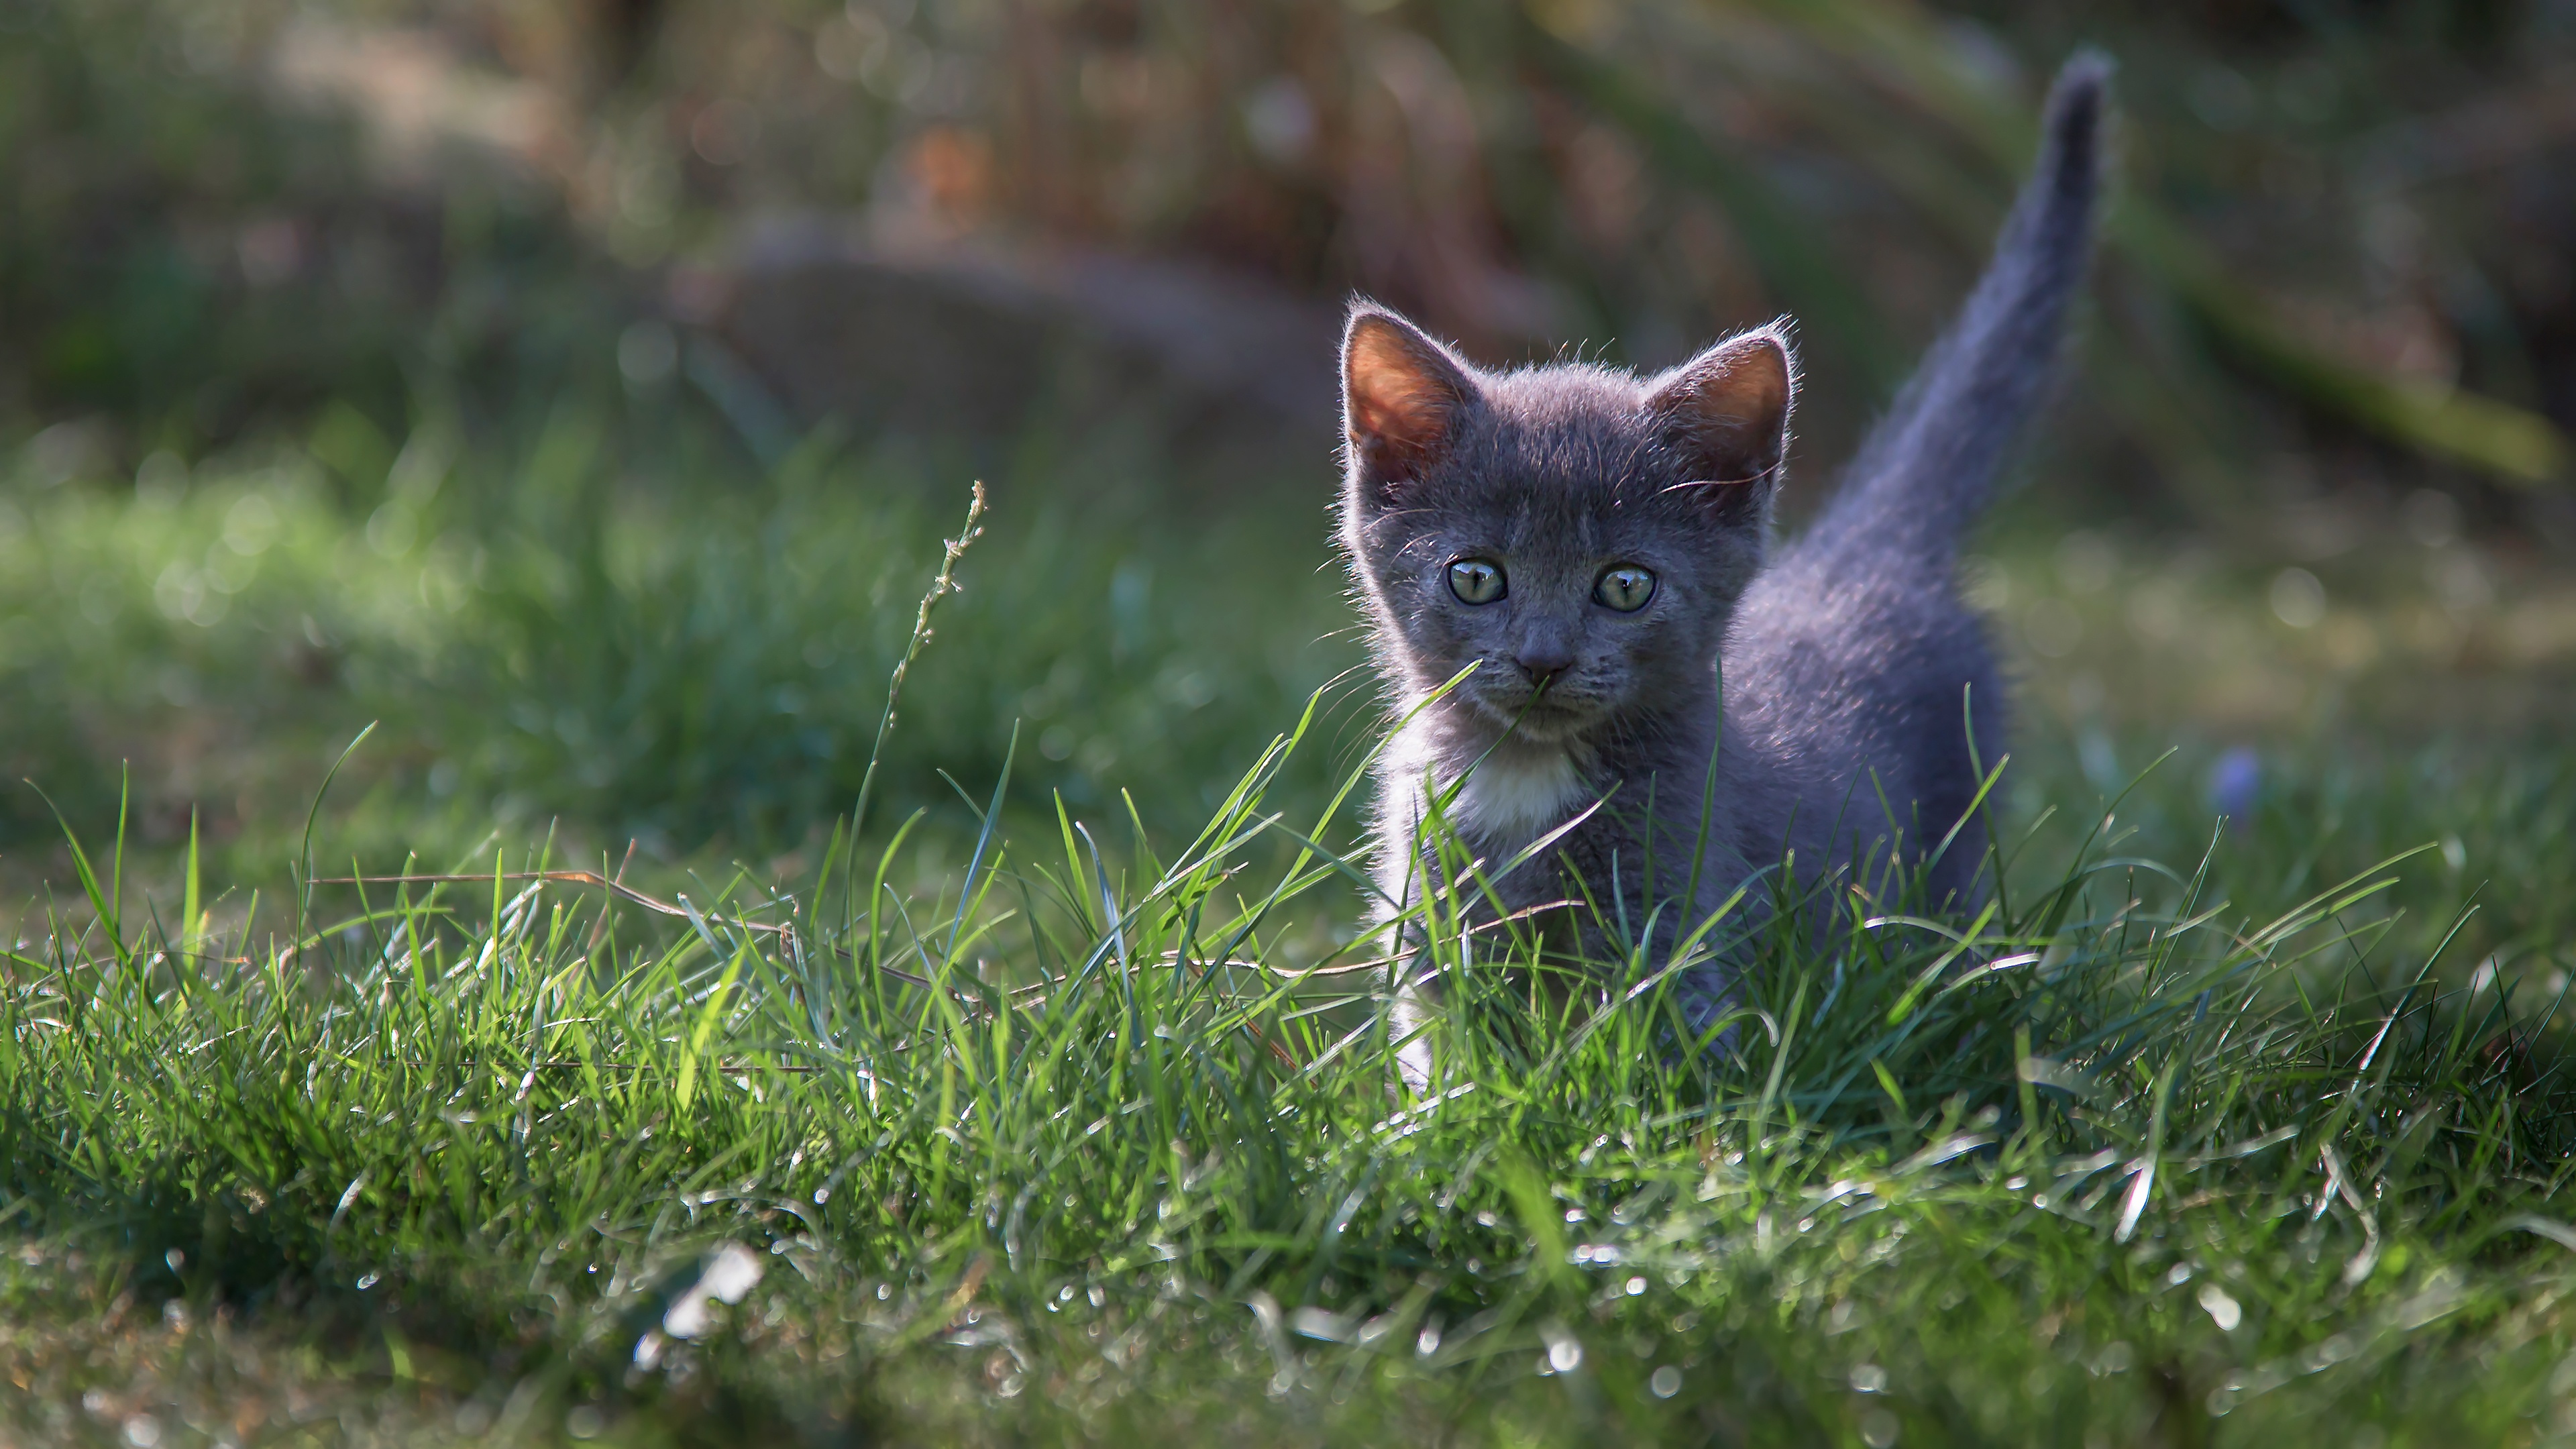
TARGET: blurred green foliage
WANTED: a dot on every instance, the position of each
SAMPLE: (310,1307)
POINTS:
(422,285)
(563,637)
(228,212)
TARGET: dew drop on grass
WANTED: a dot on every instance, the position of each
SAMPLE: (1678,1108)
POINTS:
(1878,1429)
(732,1272)
(1565,1355)
(1665,1382)
(2223,1310)
(1636,1287)
(1868,1378)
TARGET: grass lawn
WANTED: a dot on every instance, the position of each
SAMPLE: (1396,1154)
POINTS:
(1057,1104)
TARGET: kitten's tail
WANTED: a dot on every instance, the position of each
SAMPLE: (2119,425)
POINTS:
(1928,464)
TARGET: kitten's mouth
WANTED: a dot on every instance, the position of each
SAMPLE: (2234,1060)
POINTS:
(1546,714)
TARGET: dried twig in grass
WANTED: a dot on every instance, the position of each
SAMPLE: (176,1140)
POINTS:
(944,584)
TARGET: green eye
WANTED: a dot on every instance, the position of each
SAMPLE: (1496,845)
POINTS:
(1476,581)
(1625,588)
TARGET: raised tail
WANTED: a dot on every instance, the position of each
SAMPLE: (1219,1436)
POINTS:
(1928,465)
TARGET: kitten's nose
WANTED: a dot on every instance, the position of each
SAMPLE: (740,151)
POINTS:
(1542,662)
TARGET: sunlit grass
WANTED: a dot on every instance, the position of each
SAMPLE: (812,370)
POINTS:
(1068,1146)
(1051,1108)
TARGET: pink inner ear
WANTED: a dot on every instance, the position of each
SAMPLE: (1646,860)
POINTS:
(1399,406)
(1733,405)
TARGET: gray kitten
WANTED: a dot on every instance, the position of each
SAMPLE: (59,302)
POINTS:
(1598,546)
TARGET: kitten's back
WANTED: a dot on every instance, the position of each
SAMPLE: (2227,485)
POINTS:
(1853,667)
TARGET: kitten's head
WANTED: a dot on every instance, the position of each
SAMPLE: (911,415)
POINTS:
(1582,531)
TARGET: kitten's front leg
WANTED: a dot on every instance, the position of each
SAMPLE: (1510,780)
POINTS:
(1403,878)
(1411,1017)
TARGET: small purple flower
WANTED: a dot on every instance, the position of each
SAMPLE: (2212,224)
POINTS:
(2235,782)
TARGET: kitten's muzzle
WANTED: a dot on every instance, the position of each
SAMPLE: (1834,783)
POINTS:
(1541,664)
(1541,704)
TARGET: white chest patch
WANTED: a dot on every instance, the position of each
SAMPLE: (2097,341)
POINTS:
(1518,798)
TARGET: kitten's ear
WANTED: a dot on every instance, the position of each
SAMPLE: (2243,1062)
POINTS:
(1727,410)
(1402,394)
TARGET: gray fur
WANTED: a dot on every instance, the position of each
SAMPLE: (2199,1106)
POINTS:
(1827,681)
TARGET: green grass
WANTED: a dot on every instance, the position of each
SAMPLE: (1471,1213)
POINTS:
(2203,1135)
(630,630)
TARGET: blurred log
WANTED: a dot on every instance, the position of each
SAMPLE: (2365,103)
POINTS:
(958,339)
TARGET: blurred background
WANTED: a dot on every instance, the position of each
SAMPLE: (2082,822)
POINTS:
(582,387)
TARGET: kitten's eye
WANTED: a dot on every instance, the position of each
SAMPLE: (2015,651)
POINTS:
(1625,588)
(1476,581)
